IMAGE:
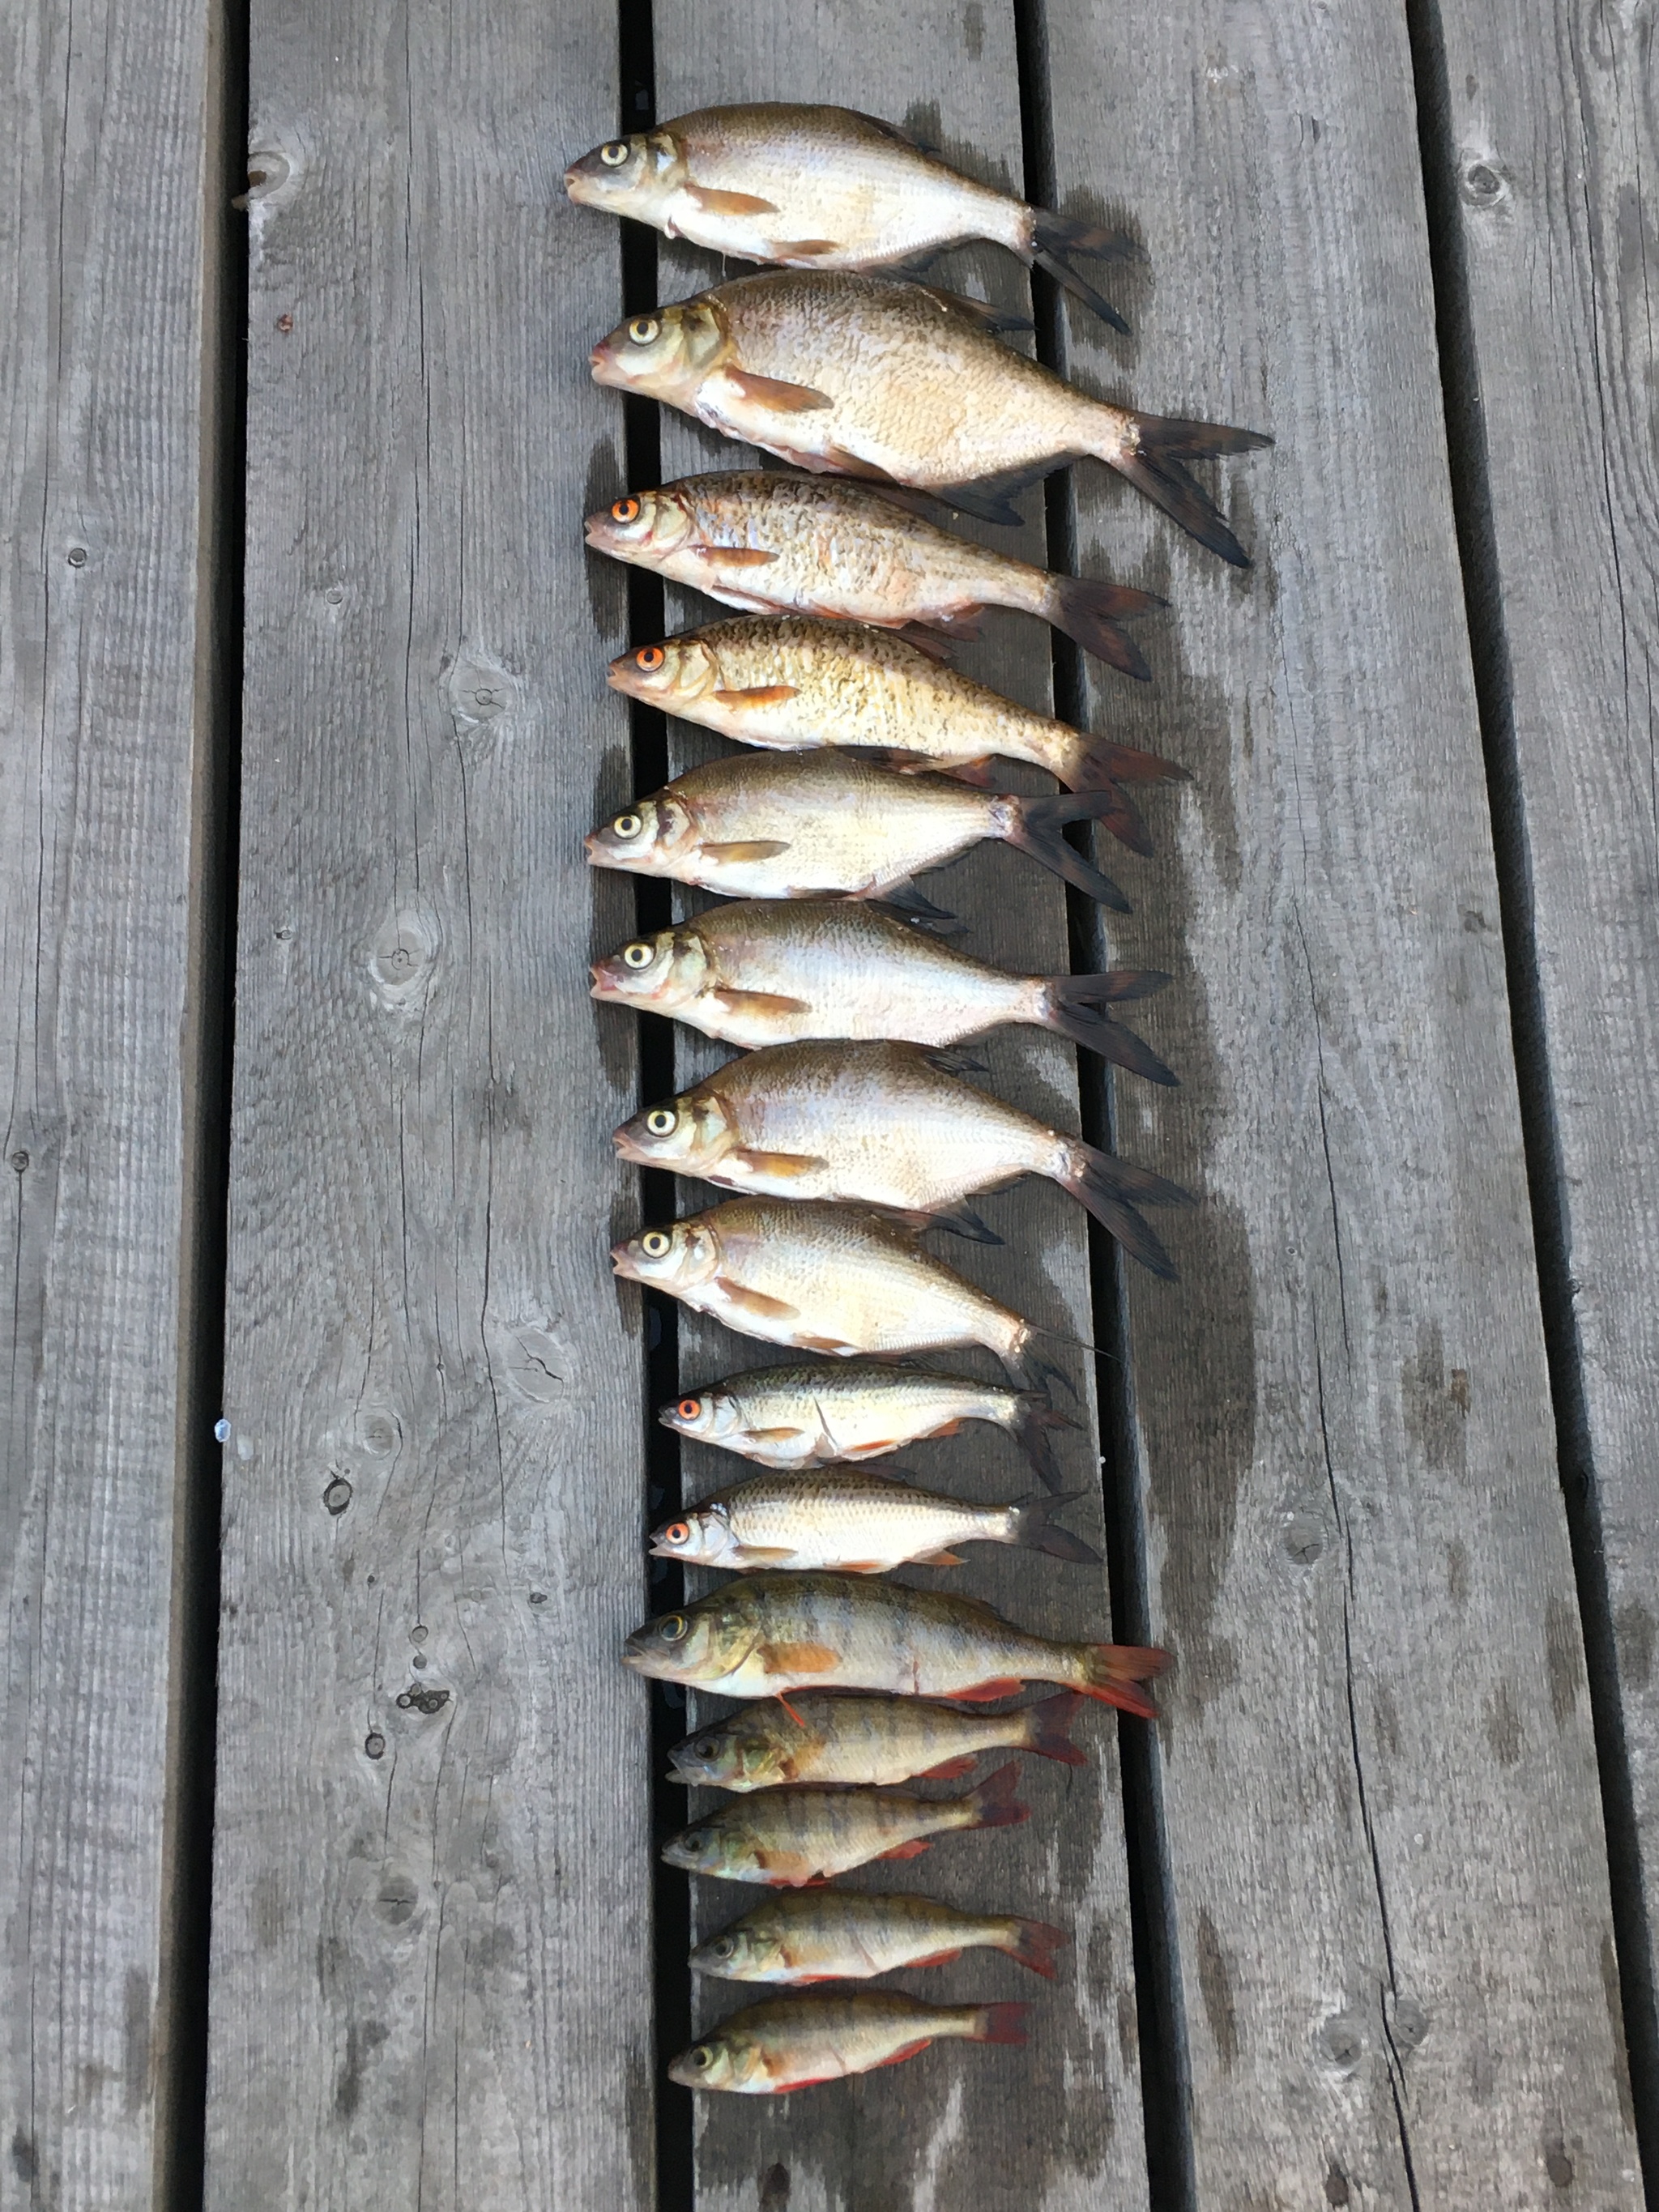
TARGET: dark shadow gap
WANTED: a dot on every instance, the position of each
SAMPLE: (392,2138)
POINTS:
(180,2080)
(1471,486)
(1171,2185)
(652,911)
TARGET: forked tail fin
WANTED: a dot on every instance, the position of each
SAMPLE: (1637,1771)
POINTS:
(1098,758)
(1034,1420)
(1050,1722)
(1034,1531)
(994,1802)
(1153,467)
(1034,826)
(1071,1006)
(1089,613)
(1113,1673)
(1034,1943)
(998,2023)
(1057,241)
(1111,1189)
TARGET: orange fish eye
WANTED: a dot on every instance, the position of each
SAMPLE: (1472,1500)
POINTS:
(649,657)
(689,1408)
(625,510)
(677,1533)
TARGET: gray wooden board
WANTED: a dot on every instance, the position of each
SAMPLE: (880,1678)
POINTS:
(431,1964)
(107,269)
(1555,139)
(1381,1797)
(1058,2125)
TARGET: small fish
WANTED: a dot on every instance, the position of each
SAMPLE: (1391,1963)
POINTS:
(800,1938)
(780,544)
(887,1125)
(811,1415)
(835,1736)
(782,971)
(792,2042)
(899,384)
(861,1523)
(825,1279)
(789,1837)
(824,188)
(765,1635)
(763,825)
(791,684)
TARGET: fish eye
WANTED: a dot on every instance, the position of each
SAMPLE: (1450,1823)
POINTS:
(689,1408)
(706,1747)
(628,826)
(655,1244)
(643,331)
(614,153)
(649,658)
(625,510)
(677,1533)
(722,1947)
(638,955)
(702,2058)
(660,1120)
(672,1626)
(696,1842)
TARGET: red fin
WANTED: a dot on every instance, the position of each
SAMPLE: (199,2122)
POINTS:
(812,246)
(913,1849)
(948,1769)
(1002,1686)
(1001,2023)
(1035,1945)
(1049,1723)
(714,202)
(790,1709)
(755,1301)
(909,2049)
(735,556)
(757,695)
(805,2082)
(797,1658)
(1115,1673)
(834,1345)
(935,1959)
(861,1566)
(993,1804)
(776,395)
(939,1559)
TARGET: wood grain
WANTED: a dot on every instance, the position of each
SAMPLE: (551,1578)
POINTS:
(1555,136)
(106,270)
(432,1941)
(1380,1787)
(1058,2124)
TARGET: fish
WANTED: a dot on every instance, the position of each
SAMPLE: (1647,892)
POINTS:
(899,384)
(764,825)
(837,1736)
(792,683)
(802,1937)
(792,2043)
(821,187)
(887,1125)
(810,1415)
(784,971)
(765,1635)
(826,1277)
(845,552)
(861,1523)
(789,1837)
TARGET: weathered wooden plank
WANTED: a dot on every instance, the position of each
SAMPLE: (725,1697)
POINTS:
(431,1958)
(1389,1869)
(1058,2124)
(108,262)
(1553,138)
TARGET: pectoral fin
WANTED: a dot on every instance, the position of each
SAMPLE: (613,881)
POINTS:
(776,395)
(714,202)
(745,849)
(797,1658)
(735,556)
(755,1301)
(782,1167)
(834,1345)
(939,1559)
(764,1555)
(913,1849)
(812,247)
(757,1003)
(772,1435)
(757,695)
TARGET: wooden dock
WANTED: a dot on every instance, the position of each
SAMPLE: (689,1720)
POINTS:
(328,1876)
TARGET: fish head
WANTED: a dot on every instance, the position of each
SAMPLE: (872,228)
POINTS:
(709,1415)
(633,176)
(646,838)
(672,674)
(685,1135)
(729,2059)
(666,353)
(743,1752)
(745,1953)
(717,1847)
(642,525)
(675,1257)
(703,1534)
(664,971)
(675,1647)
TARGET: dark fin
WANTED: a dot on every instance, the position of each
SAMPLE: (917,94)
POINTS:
(1036,1418)
(1115,1672)
(1098,1188)
(984,314)
(1155,470)
(1051,1723)
(1080,286)
(1091,614)
(718,203)
(1068,1010)
(961,1221)
(994,1802)
(1033,1373)
(1001,2023)
(1034,828)
(966,623)
(952,1060)
(1116,985)
(1122,818)
(1126,764)
(906,899)
(775,393)
(949,1770)
(1035,1945)
(984,504)
(757,695)
(1122,1179)
(1035,1531)
(926,641)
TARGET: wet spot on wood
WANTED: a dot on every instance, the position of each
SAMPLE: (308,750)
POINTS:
(973,29)
(135,2039)
(774,2190)
(1336,2186)
(25,2161)
(1215,1985)
(1502,1725)
(1457,1572)
(1557,2164)
(1633,1634)
(1563,1659)
(1435,1404)
(362,2043)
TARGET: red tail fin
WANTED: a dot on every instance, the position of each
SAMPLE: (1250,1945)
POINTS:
(994,1802)
(1035,1945)
(1001,2023)
(1115,1669)
(1050,1725)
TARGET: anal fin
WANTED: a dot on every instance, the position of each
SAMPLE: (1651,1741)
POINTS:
(1001,1686)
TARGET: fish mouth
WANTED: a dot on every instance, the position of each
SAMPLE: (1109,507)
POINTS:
(693,1773)
(630,1149)
(607,980)
(593,529)
(682,2070)
(621,1262)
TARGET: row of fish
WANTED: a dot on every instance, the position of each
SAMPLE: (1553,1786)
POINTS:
(846,1129)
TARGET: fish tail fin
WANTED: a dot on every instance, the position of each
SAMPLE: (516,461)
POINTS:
(1057,241)
(1113,1673)
(1091,615)
(1034,826)
(1070,1006)
(1117,812)
(1034,1418)
(1111,1189)
(993,1802)
(1092,763)
(1029,1369)
(1153,465)
(1033,1530)
(997,2023)
(1034,1943)
(1050,1723)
